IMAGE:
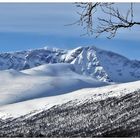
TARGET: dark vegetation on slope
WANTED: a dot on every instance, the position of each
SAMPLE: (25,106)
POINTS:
(112,117)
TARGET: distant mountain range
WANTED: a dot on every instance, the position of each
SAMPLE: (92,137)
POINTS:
(90,61)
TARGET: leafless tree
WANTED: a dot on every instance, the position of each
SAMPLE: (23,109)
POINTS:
(112,21)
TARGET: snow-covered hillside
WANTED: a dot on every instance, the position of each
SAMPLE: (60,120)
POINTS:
(91,61)
(42,81)
(77,97)
(111,111)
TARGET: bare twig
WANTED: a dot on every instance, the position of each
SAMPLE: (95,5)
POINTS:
(110,25)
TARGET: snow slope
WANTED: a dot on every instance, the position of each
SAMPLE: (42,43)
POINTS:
(43,81)
(77,97)
(91,61)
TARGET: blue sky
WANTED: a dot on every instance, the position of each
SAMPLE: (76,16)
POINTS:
(28,26)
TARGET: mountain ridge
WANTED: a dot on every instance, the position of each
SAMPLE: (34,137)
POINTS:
(91,61)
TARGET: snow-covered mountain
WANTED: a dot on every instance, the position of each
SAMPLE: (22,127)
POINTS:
(90,61)
(74,93)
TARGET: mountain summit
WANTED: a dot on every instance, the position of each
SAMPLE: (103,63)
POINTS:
(91,61)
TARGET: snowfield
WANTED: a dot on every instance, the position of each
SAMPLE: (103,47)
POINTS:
(42,81)
(78,96)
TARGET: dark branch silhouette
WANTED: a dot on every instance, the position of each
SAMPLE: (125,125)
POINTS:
(112,21)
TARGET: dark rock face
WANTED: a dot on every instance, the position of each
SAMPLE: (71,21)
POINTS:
(112,117)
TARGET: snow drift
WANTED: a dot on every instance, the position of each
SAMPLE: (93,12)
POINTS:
(75,98)
(42,81)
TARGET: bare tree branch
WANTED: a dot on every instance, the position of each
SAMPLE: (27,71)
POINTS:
(110,23)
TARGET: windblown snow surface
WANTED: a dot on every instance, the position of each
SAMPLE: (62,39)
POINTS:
(42,81)
(72,98)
